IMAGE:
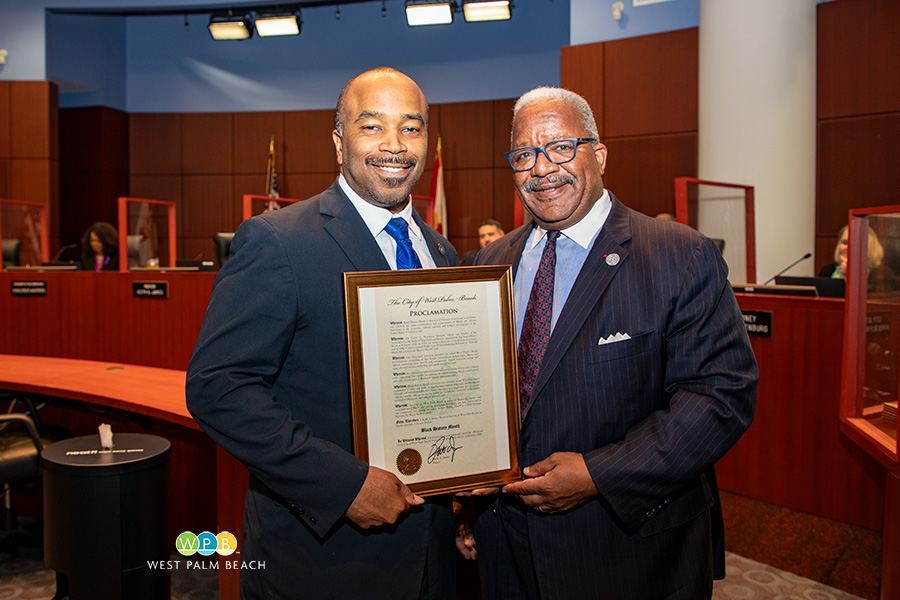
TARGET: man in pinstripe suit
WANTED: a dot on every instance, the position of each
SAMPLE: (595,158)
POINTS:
(645,379)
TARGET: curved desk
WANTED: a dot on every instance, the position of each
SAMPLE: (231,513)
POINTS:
(205,480)
(148,391)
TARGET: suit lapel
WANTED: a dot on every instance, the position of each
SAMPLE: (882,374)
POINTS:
(350,232)
(513,244)
(590,285)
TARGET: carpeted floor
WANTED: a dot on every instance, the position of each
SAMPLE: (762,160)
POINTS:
(774,553)
(836,554)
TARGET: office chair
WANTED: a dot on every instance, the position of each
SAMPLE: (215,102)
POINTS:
(223,248)
(720,244)
(22,438)
(11,252)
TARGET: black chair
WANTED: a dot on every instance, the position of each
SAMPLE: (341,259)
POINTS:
(22,438)
(11,252)
(223,248)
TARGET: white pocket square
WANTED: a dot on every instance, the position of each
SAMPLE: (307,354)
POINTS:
(617,337)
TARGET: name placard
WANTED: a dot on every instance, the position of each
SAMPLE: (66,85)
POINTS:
(758,322)
(28,288)
(150,289)
(878,325)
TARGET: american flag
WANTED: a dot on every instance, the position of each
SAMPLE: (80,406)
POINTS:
(272,180)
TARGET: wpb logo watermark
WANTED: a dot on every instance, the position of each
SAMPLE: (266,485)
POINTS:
(206,544)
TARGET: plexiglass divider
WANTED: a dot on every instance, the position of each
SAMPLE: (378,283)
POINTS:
(147,236)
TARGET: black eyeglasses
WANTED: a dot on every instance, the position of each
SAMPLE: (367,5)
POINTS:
(557,152)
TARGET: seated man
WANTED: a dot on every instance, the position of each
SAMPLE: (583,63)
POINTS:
(488,231)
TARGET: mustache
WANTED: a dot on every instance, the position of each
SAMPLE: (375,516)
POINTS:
(533,184)
(391,160)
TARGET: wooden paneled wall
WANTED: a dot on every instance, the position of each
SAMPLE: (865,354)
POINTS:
(93,170)
(858,96)
(644,94)
(206,162)
(29,142)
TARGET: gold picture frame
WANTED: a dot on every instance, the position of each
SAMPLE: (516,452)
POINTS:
(433,378)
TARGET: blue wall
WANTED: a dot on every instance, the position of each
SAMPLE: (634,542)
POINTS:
(592,20)
(173,70)
(151,64)
(86,59)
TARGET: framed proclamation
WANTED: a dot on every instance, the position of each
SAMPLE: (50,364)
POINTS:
(433,375)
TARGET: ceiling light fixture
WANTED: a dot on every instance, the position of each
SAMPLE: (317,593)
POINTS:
(428,12)
(486,10)
(230,27)
(278,24)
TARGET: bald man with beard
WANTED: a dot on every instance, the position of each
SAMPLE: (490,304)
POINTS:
(269,381)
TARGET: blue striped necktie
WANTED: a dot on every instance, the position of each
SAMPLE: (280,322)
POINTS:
(407,258)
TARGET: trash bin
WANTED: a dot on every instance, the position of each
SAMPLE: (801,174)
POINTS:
(106,516)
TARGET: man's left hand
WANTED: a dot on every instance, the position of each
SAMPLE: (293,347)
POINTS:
(559,482)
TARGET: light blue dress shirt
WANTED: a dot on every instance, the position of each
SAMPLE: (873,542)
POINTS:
(572,248)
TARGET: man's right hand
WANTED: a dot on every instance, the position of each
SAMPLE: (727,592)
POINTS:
(381,499)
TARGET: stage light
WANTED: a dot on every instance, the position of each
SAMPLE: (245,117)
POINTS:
(230,27)
(486,10)
(428,12)
(282,24)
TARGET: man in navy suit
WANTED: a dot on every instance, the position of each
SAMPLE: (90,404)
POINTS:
(269,380)
(636,376)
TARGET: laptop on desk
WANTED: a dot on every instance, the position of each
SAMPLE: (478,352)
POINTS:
(825,286)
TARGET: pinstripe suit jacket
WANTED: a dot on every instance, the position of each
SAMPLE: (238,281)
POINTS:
(269,382)
(651,414)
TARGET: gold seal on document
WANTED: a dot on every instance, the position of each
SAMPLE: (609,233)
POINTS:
(409,461)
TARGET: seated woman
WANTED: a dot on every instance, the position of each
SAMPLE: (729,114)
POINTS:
(881,277)
(100,248)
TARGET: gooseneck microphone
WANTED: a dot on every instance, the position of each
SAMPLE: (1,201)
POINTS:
(61,250)
(789,267)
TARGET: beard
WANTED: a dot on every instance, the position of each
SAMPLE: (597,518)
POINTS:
(404,183)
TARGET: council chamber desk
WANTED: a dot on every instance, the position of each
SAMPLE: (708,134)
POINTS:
(97,347)
(793,454)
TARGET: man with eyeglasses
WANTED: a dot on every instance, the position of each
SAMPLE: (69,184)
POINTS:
(635,375)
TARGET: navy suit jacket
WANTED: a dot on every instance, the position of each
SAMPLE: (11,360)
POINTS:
(650,414)
(269,382)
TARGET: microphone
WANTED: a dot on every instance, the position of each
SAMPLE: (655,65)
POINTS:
(61,250)
(199,256)
(788,268)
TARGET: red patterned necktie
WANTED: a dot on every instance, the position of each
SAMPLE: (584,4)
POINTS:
(536,327)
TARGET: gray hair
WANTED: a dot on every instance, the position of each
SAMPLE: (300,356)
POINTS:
(552,93)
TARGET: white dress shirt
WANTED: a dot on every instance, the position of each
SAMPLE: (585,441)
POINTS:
(376,218)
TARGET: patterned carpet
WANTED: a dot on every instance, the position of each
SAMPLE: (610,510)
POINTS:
(23,575)
(747,578)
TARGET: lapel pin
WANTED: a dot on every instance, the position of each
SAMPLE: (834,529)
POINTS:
(441,248)
(612,259)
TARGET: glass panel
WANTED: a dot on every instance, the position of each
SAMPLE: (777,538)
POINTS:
(720,213)
(882,335)
(22,228)
(148,235)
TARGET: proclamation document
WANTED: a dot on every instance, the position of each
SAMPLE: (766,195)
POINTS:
(432,354)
